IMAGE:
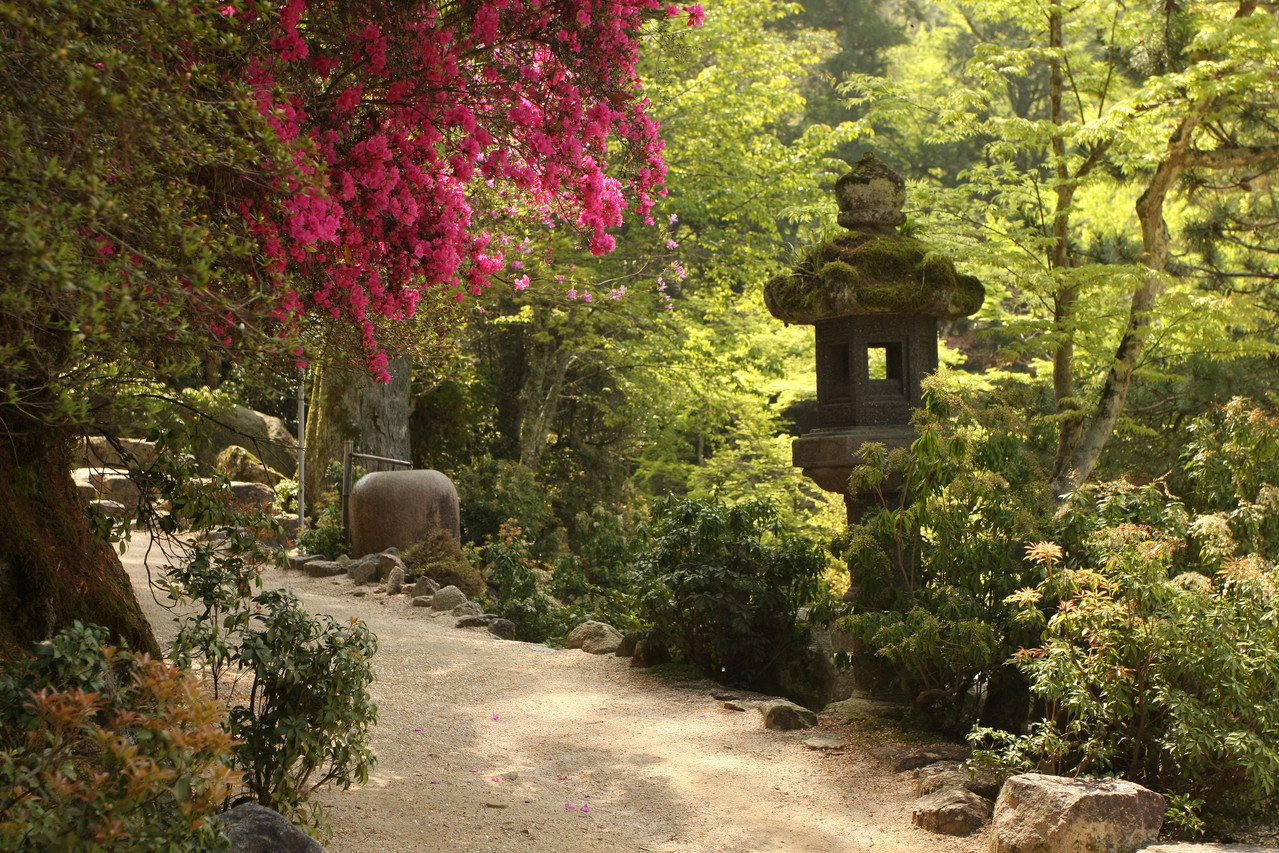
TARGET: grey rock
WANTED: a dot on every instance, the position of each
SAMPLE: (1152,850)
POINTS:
(822,742)
(783,715)
(387,563)
(1046,814)
(237,463)
(503,628)
(115,485)
(299,561)
(597,638)
(115,509)
(264,435)
(447,598)
(425,586)
(740,705)
(363,570)
(952,811)
(468,608)
(401,508)
(97,452)
(256,829)
(324,569)
(479,620)
(957,774)
(395,582)
(1208,847)
(899,759)
(252,494)
(626,648)
(422,600)
(650,652)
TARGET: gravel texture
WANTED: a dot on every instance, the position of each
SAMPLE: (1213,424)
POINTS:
(491,745)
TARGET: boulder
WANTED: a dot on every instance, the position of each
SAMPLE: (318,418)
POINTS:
(422,600)
(97,452)
(480,620)
(425,586)
(952,811)
(240,465)
(256,829)
(650,652)
(899,759)
(324,569)
(597,638)
(956,774)
(1046,814)
(447,598)
(363,570)
(387,562)
(299,561)
(395,582)
(114,485)
(626,648)
(252,494)
(503,628)
(468,608)
(783,715)
(114,509)
(265,436)
(1207,847)
(401,508)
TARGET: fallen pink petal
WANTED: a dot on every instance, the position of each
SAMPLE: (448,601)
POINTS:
(568,807)
(586,807)
(495,716)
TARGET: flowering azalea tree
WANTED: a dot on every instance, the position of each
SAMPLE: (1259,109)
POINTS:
(191,178)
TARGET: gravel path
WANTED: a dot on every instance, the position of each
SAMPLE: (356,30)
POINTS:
(484,745)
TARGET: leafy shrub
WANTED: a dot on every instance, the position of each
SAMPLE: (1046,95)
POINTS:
(103,750)
(521,581)
(931,565)
(1161,661)
(722,587)
(597,580)
(495,491)
(306,720)
(303,719)
(440,558)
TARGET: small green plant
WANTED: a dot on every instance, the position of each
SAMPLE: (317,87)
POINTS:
(521,582)
(102,750)
(440,558)
(722,586)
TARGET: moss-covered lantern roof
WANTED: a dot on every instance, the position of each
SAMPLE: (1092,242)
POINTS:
(872,269)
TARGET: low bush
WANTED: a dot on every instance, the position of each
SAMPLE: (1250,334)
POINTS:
(521,581)
(104,750)
(440,558)
(722,587)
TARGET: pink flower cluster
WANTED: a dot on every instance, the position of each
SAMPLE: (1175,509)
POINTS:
(413,124)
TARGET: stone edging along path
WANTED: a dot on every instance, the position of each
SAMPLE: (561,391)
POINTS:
(491,745)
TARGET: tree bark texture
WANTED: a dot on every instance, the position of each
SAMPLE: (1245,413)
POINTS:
(52,571)
(347,405)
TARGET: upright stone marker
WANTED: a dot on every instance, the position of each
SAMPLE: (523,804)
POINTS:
(398,509)
(875,298)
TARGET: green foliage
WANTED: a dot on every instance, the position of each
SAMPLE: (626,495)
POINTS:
(104,751)
(722,586)
(440,558)
(303,718)
(495,491)
(522,581)
(1161,660)
(306,720)
(932,562)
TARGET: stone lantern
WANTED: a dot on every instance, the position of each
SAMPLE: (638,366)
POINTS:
(875,297)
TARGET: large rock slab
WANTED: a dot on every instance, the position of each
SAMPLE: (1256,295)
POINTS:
(398,509)
(952,811)
(447,598)
(252,494)
(783,715)
(265,436)
(1050,814)
(97,452)
(323,568)
(597,638)
(256,829)
(239,464)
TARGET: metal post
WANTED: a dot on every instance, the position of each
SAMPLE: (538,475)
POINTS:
(347,449)
(301,449)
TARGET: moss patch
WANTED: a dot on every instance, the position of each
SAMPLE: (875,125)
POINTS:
(869,273)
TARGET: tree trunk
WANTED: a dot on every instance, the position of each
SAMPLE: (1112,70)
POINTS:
(351,406)
(52,570)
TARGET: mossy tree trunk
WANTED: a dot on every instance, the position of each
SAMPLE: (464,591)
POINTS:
(347,405)
(52,570)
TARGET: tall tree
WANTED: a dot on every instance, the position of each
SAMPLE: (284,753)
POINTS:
(179,177)
(1075,108)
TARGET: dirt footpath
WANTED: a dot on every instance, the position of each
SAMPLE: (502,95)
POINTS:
(486,745)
